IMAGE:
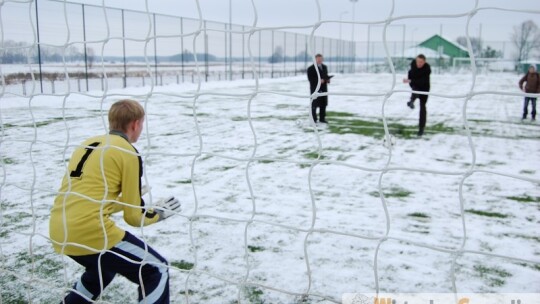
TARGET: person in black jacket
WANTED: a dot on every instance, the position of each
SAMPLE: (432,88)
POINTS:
(322,101)
(418,79)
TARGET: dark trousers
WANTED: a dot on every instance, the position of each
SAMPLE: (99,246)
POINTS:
(322,112)
(423,111)
(320,103)
(147,269)
(526,107)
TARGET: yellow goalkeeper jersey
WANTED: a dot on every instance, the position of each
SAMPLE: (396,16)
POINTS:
(104,169)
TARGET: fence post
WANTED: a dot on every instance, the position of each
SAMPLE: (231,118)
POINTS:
(243,50)
(79,84)
(24,87)
(53,91)
(227,59)
(295,52)
(124,49)
(182,45)
(155,49)
(306,54)
(143,81)
(260,35)
(39,48)
(272,54)
(205,53)
(84,43)
(284,53)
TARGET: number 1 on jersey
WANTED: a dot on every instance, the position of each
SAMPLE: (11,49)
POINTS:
(80,165)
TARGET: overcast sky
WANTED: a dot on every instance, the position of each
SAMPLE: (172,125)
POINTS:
(413,20)
(496,25)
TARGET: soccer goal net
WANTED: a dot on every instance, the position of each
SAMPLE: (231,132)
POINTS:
(275,207)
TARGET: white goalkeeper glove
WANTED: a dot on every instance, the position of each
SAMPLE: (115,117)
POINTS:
(167,207)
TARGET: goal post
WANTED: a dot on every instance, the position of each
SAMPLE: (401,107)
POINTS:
(484,65)
(276,208)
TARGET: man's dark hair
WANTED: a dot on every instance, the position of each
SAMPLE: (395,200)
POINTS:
(421,56)
(318,55)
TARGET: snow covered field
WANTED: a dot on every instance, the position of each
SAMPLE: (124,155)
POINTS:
(276,209)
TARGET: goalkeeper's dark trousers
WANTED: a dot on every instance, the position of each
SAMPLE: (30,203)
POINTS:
(130,259)
(423,111)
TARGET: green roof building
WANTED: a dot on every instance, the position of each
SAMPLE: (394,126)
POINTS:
(445,46)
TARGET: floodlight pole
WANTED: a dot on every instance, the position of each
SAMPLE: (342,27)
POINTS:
(230,40)
(353,46)
(340,48)
(39,48)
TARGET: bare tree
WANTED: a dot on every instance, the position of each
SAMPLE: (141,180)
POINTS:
(476,44)
(526,37)
(277,56)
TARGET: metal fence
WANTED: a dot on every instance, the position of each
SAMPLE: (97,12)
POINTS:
(89,47)
(132,48)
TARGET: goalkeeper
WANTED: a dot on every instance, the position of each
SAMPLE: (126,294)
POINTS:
(102,172)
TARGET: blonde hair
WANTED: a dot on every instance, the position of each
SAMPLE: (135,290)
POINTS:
(123,112)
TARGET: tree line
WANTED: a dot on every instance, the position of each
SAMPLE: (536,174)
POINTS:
(525,38)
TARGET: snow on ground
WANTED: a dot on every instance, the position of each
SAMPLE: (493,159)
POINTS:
(263,202)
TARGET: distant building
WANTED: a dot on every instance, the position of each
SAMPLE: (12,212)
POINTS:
(444,47)
(438,50)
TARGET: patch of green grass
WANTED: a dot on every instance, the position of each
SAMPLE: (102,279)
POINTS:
(189,292)
(393,192)
(532,266)
(346,123)
(50,121)
(198,114)
(8,160)
(182,265)
(286,106)
(226,168)
(418,214)
(11,295)
(7,125)
(525,199)
(255,248)
(254,295)
(183,181)
(231,198)
(343,157)
(16,217)
(339,114)
(312,155)
(4,233)
(487,213)
(523,236)
(495,276)
(265,161)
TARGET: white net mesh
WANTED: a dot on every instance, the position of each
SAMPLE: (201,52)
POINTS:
(275,208)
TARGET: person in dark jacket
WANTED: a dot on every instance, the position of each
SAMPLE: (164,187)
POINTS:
(322,101)
(532,85)
(418,79)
